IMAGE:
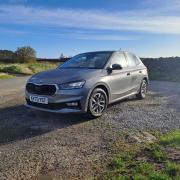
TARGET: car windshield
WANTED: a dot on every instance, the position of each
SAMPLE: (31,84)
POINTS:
(92,60)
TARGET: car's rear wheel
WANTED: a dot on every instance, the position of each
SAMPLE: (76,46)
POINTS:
(143,90)
(97,103)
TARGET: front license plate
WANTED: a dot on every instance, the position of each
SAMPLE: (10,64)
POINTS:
(38,99)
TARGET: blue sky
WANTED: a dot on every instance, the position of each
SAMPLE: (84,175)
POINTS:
(149,28)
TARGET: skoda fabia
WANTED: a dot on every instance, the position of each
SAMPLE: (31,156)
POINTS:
(87,83)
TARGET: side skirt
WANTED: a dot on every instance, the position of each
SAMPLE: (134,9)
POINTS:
(118,99)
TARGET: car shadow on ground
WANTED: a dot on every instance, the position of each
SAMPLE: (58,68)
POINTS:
(19,122)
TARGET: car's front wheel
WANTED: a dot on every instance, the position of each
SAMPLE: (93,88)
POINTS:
(97,103)
(143,90)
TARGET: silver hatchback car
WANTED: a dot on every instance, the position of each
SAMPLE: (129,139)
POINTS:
(87,83)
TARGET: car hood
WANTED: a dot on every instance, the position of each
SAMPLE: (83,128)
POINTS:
(59,76)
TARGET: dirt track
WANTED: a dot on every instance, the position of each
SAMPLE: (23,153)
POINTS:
(34,143)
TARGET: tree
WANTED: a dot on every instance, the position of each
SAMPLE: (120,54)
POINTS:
(25,54)
(61,56)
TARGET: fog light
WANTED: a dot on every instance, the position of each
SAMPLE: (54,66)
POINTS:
(72,104)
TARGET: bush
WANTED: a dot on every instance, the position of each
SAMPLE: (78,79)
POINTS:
(11,69)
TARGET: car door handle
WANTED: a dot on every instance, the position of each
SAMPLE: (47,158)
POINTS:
(128,74)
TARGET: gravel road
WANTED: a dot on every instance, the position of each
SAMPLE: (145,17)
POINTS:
(43,145)
(9,88)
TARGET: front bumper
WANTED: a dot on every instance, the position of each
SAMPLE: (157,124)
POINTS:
(57,103)
(63,111)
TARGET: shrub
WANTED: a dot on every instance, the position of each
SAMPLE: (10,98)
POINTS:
(11,69)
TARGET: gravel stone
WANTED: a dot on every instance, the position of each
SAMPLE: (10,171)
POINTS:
(40,145)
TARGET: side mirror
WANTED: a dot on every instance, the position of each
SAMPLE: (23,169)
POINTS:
(109,70)
(116,67)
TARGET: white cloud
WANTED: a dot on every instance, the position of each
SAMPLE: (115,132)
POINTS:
(13,31)
(93,36)
(105,37)
(137,20)
(17,1)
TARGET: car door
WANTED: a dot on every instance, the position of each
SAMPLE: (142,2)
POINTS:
(135,72)
(119,80)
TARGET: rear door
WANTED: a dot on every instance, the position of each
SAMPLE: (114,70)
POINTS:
(135,71)
(119,80)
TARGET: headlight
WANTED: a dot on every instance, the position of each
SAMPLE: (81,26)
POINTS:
(72,85)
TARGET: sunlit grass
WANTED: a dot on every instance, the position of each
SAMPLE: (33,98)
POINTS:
(5,76)
(26,68)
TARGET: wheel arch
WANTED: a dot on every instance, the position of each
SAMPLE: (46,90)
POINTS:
(146,79)
(98,85)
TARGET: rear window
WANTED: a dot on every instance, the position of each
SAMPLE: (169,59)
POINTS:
(120,59)
(132,60)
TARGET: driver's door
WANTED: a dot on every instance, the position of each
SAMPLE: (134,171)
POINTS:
(119,80)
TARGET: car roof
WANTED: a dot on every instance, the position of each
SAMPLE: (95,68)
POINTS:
(111,51)
(99,52)
(108,51)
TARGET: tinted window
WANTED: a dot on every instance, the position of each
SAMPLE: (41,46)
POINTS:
(92,60)
(120,59)
(132,60)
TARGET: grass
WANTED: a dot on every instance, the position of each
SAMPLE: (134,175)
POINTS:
(146,162)
(173,169)
(156,152)
(5,76)
(172,139)
(26,69)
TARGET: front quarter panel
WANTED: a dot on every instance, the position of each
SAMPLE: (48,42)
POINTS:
(94,82)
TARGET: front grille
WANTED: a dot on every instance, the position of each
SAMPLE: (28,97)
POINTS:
(41,89)
(52,106)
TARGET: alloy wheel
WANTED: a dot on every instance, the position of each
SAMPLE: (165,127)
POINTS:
(98,103)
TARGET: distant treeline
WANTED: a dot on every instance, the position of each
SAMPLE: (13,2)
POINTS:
(162,58)
(166,69)
(28,54)
(6,55)
(24,54)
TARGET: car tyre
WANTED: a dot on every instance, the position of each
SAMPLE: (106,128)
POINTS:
(143,90)
(97,104)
